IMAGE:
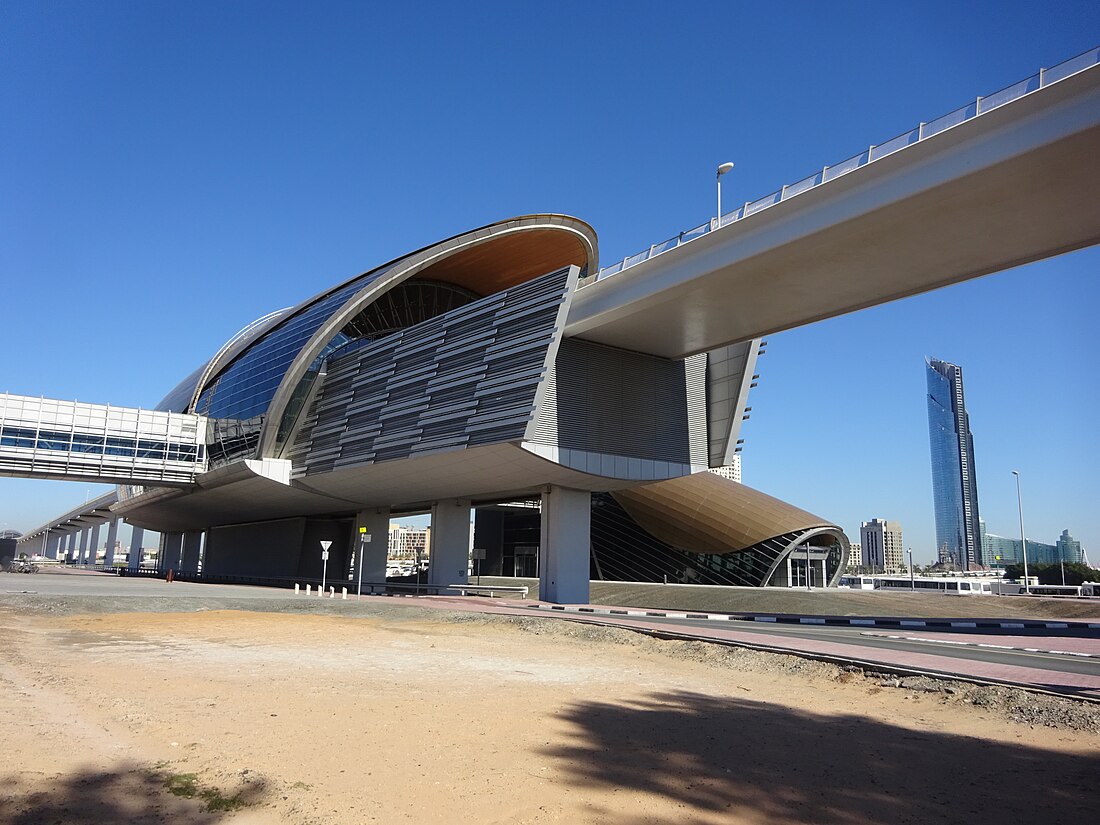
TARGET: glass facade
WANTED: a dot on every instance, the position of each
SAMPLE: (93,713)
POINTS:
(245,389)
(238,398)
(179,399)
(406,305)
(47,437)
(1069,548)
(99,444)
(235,389)
(1001,551)
(954,483)
(181,396)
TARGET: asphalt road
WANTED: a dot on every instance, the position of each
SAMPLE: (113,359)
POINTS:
(859,637)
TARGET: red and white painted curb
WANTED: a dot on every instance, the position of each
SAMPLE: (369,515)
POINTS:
(834,621)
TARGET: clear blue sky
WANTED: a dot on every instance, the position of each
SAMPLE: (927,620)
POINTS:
(172,171)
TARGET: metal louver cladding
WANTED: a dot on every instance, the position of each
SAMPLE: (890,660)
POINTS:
(729,378)
(466,378)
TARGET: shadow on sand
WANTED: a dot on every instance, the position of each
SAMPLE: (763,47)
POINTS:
(735,760)
(133,795)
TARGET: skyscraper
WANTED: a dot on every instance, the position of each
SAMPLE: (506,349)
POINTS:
(1069,548)
(954,477)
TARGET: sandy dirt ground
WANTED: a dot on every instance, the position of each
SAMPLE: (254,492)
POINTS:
(243,717)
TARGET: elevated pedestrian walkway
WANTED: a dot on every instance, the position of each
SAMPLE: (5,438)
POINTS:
(71,440)
(1004,180)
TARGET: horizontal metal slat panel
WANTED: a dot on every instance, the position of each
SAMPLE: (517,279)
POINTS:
(469,375)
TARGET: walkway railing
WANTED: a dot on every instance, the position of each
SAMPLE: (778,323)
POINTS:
(979,106)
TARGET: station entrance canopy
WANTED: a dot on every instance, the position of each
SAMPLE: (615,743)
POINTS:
(71,440)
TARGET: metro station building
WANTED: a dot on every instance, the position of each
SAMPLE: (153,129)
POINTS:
(443,382)
(503,366)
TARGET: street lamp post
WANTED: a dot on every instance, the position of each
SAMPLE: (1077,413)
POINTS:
(1023,536)
(912,583)
(725,167)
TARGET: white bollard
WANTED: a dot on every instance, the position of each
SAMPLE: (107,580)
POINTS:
(331,592)
(320,592)
(344,593)
(296,588)
(307,589)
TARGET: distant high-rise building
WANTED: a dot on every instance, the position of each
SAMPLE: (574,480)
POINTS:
(1069,548)
(732,471)
(1001,551)
(954,477)
(408,543)
(998,551)
(881,544)
(855,556)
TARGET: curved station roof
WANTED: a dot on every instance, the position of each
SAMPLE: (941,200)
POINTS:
(256,371)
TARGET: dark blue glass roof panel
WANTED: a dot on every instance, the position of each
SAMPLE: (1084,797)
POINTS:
(180,397)
(246,387)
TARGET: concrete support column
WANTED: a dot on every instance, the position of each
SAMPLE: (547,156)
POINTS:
(190,547)
(112,537)
(449,559)
(372,553)
(70,545)
(171,552)
(94,544)
(135,548)
(83,549)
(53,545)
(565,546)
